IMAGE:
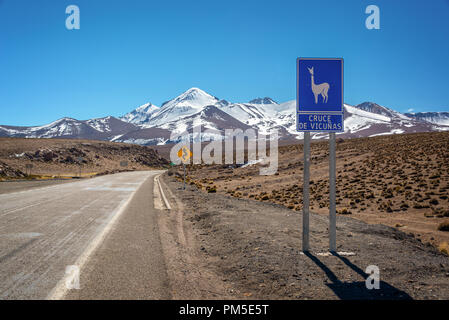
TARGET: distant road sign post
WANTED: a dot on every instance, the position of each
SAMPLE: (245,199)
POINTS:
(184,154)
(28,168)
(80,160)
(319,108)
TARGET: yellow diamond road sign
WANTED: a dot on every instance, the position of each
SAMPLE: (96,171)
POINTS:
(184,154)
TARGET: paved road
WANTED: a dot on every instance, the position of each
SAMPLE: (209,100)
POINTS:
(42,231)
(16,186)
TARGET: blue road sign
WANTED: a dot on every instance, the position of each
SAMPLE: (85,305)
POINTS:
(319,101)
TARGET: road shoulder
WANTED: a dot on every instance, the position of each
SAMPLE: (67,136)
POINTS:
(191,276)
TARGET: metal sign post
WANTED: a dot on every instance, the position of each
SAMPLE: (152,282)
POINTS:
(28,168)
(80,159)
(184,176)
(184,154)
(306,202)
(319,108)
(332,194)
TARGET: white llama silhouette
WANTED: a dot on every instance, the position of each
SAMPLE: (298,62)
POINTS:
(317,89)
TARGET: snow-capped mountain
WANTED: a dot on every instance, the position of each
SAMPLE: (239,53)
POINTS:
(186,104)
(108,128)
(377,109)
(141,115)
(196,108)
(266,100)
(439,118)
(359,122)
(212,120)
(150,125)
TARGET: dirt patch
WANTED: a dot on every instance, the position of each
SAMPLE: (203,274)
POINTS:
(255,247)
(190,275)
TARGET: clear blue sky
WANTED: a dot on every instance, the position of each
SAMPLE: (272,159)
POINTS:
(131,52)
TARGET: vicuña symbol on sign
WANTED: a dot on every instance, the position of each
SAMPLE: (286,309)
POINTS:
(317,89)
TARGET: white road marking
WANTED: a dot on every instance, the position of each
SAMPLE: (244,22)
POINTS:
(161,192)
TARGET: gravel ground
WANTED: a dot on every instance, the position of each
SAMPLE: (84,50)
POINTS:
(256,247)
(400,181)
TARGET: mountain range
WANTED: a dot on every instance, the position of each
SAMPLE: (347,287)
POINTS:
(153,125)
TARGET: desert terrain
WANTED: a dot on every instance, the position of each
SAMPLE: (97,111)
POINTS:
(248,249)
(400,181)
(67,158)
(235,234)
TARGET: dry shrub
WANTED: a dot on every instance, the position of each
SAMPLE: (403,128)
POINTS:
(212,189)
(444,226)
(444,248)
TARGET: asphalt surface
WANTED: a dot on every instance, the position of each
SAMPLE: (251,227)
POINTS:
(24,185)
(129,264)
(44,230)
